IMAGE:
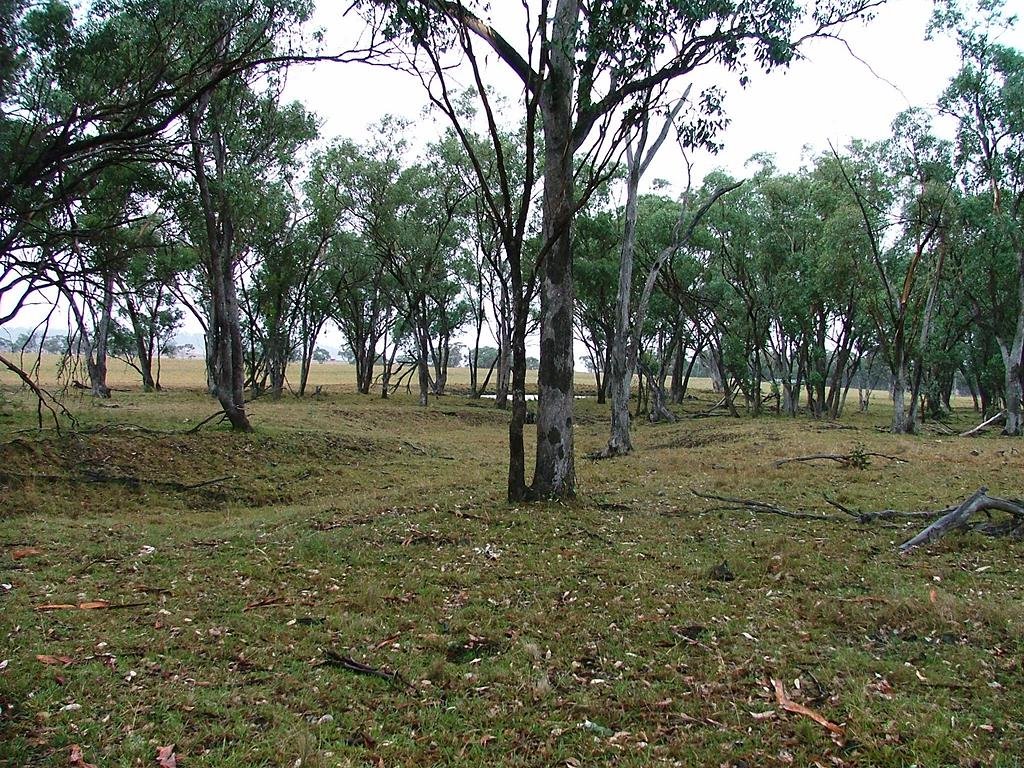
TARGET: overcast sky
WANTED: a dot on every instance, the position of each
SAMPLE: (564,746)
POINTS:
(830,95)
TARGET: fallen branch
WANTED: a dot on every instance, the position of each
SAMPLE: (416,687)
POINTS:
(984,425)
(41,398)
(885,514)
(855,459)
(753,505)
(222,413)
(130,481)
(950,518)
(423,451)
(979,501)
(91,605)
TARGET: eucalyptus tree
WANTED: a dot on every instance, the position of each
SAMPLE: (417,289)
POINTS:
(986,97)
(240,140)
(113,227)
(903,189)
(423,259)
(412,218)
(86,89)
(360,291)
(812,261)
(278,292)
(598,239)
(489,280)
(585,69)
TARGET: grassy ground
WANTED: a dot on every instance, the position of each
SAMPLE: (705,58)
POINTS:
(592,633)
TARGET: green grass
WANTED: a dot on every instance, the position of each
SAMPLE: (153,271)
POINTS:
(379,531)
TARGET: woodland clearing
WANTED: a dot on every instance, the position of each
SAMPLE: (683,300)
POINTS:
(348,586)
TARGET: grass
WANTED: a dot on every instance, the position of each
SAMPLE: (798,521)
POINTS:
(588,633)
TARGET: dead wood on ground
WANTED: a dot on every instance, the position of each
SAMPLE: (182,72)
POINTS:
(854,459)
(949,518)
(756,505)
(984,425)
(959,517)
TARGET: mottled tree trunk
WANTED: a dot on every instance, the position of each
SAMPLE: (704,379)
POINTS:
(423,369)
(277,362)
(226,347)
(230,360)
(96,360)
(622,359)
(554,470)
(1012,386)
(143,337)
(505,353)
(1012,362)
(901,424)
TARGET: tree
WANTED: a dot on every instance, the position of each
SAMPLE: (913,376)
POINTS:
(359,291)
(86,90)
(586,70)
(239,141)
(903,193)
(986,97)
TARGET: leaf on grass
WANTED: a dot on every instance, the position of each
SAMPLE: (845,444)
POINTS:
(24,552)
(75,760)
(799,709)
(387,641)
(166,758)
(266,602)
(56,661)
(91,605)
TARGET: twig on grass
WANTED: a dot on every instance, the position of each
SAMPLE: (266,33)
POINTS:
(351,665)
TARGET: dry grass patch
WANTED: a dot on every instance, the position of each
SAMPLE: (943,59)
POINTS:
(598,632)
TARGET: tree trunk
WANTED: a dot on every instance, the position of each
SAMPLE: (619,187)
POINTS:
(656,387)
(554,470)
(505,353)
(1012,365)
(228,353)
(620,360)
(143,341)
(715,369)
(424,369)
(689,371)
(96,361)
(676,393)
(517,489)
(230,371)
(901,425)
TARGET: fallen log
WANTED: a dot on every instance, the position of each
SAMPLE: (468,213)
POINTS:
(979,501)
(984,425)
(351,665)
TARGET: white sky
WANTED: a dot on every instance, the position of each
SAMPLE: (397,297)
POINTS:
(829,95)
